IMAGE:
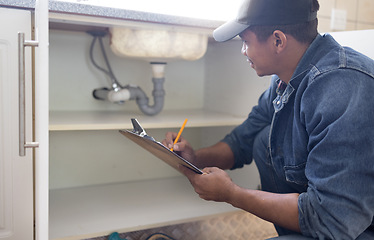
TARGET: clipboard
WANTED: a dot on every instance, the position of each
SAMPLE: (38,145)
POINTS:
(140,137)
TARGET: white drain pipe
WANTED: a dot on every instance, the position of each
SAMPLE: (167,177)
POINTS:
(122,94)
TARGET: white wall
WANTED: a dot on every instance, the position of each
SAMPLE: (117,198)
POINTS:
(361,41)
(232,85)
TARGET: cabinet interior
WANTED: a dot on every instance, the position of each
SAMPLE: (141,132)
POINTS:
(101,182)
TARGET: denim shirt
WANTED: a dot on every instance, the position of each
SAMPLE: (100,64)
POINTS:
(321,138)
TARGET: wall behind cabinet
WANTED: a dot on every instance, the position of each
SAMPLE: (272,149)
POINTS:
(73,77)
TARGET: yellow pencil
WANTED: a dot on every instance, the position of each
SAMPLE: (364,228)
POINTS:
(180,133)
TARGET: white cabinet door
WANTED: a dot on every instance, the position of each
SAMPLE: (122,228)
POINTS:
(16,172)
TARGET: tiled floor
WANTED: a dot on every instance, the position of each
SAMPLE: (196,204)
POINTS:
(236,226)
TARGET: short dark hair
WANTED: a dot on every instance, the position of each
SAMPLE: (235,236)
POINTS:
(302,32)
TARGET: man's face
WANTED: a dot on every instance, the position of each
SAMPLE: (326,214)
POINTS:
(259,54)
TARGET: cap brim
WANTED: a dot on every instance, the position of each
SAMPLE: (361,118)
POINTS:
(228,31)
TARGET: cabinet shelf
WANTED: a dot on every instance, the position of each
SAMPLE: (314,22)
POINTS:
(102,120)
(93,211)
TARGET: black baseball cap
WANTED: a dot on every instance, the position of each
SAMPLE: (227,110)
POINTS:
(266,13)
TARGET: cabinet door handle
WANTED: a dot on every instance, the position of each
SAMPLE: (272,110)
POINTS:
(21,78)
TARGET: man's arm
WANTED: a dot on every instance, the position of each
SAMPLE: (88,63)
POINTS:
(218,155)
(280,209)
(216,185)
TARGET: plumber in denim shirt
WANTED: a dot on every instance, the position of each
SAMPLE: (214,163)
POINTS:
(311,134)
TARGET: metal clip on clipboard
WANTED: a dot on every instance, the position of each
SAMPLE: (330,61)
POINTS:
(139,130)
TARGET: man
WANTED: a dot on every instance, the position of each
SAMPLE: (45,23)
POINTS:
(311,134)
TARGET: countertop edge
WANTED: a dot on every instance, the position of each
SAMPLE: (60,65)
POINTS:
(116,13)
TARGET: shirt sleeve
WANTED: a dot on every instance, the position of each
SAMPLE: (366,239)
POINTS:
(339,119)
(242,137)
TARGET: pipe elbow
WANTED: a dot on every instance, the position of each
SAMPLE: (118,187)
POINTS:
(155,108)
(119,94)
(143,101)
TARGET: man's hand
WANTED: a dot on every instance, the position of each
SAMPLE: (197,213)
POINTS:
(182,148)
(214,185)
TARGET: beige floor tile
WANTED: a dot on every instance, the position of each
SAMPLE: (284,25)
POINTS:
(235,226)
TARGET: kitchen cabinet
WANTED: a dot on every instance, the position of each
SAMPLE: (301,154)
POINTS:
(23,196)
(16,172)
(101,182)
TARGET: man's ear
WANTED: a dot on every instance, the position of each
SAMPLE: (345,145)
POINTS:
(279,40)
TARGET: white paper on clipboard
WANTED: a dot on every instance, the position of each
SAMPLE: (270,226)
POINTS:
(139,136)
